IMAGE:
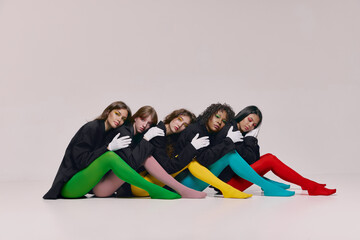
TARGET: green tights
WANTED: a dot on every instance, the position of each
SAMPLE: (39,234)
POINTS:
(83,181)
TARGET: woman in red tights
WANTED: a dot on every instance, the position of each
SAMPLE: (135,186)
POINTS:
(248,121)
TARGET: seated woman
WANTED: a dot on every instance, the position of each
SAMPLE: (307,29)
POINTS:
(173,124)
(89,157)
(140,154)
(248,122)
(221,151)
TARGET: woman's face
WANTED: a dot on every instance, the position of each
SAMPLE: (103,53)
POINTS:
(179,123)
(217,121)
(116,118)
(142,124)
(248,123)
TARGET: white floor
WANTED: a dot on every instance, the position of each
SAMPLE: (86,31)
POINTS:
(25,215)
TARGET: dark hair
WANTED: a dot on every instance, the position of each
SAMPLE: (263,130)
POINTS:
(179,112)
(213,109)
(246,111)
(112,106)
(144,112)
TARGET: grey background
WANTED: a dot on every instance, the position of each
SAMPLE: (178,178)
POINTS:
(63,62)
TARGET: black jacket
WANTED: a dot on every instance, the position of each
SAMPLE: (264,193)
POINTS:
(210,154)
(139,149)
(87,145)
(248,149)
(174,162)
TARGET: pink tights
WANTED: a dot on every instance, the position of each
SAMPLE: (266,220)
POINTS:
(108,185)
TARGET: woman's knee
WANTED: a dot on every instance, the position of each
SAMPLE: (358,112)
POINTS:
(269,158)
(268,155)
(110,154)
(107,158)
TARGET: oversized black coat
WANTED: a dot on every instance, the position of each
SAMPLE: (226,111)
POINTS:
(210,154)
(171,162)
(248,149)
(88,144)
(139,149)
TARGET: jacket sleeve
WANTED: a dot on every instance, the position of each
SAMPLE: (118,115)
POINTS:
(206,156)
(249,149)
(180,158)
(136,155)
(83,150)
(183,140)
(179,161)
(183,158)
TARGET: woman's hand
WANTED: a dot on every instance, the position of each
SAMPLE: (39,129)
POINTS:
(235,136)
(253,133)
(200,142)
(119,143)
(153,132)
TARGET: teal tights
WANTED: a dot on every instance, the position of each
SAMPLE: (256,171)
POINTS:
(83,181)
(243,170)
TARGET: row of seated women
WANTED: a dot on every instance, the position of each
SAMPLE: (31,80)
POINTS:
(119,154)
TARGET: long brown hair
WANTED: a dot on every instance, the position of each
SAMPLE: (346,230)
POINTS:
(176,113)
(144,112)
(112,106)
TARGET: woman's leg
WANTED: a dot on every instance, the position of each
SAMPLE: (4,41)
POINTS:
(279,184)
(107,185)
(155,169)
(82,182)
(242,169)
(139,192)
(200,177)
(269,162)
(261,167)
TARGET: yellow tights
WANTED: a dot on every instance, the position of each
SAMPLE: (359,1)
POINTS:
(200,172)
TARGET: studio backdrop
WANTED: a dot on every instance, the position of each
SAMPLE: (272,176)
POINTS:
(62,62)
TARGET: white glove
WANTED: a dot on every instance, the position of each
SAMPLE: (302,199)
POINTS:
(254,132)
(200,142)
(153,132)
(119,143)
(235,136)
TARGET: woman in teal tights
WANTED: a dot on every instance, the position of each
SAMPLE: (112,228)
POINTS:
(221,151)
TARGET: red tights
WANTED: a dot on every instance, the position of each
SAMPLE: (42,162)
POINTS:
(269,162)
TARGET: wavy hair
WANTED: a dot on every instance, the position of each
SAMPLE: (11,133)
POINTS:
(204,117)
(176,113)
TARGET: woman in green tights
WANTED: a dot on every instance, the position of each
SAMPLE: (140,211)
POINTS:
(89,157)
